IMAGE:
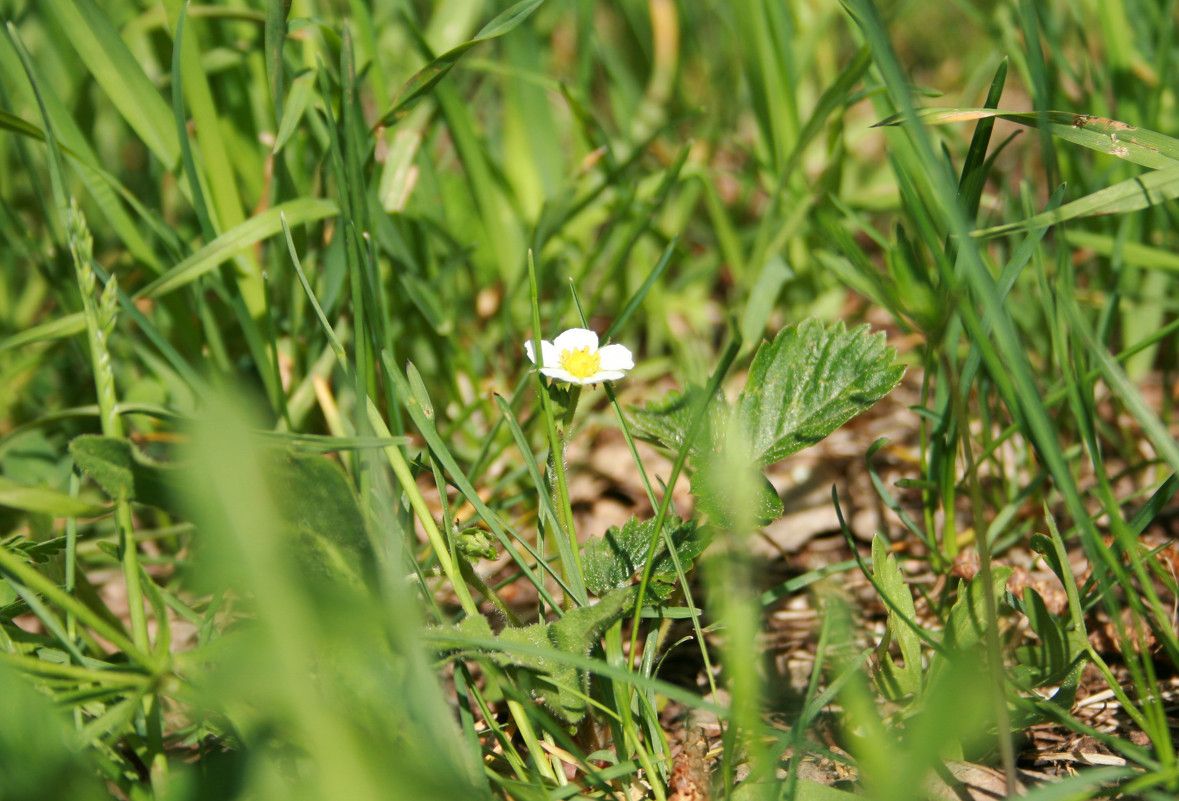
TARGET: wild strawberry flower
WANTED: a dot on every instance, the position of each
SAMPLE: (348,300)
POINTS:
(574,357)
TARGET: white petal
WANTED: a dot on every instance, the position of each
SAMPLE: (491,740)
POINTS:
(602,376)
(530,351)
(549,355)
(616,357)
(576,339)
(557,374)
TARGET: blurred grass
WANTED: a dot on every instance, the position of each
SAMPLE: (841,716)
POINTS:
(294,200)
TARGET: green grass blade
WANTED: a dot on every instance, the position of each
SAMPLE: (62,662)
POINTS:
(116,70)
(1100,134)
(208,229)
(249,233)
(1124,197)
(428,76)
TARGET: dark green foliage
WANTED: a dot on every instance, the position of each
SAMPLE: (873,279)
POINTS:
(666,422)
(734,495)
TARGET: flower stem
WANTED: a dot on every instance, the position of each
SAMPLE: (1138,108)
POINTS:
(570,559)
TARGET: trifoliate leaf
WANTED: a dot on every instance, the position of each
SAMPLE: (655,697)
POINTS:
(807,382)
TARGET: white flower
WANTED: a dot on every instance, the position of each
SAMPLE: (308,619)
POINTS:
(574,356)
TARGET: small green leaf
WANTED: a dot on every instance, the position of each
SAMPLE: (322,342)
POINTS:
(967,622)
(124,472)
(609,562)
(809,381)
(1055,656)
(897,682)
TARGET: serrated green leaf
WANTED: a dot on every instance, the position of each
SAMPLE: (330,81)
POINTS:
(666,422)
(807,382)
(563,687)
(38,552)
(610,561)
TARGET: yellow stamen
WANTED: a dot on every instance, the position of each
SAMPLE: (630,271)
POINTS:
(580,362)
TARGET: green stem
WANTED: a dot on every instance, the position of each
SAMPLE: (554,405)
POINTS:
(524,725)
(476,581)
(557,442)
(410,487)
(129,557)
(100,312)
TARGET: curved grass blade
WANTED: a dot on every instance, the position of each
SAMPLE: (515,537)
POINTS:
(224,247)
(60,328)
(428,76)
(1111,137)
(1133,194)
(116,70)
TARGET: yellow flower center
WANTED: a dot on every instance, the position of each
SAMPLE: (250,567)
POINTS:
(580,362)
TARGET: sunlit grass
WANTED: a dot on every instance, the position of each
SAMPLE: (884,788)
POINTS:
(287,509)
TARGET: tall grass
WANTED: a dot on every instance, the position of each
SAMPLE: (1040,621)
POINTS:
(287,511)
